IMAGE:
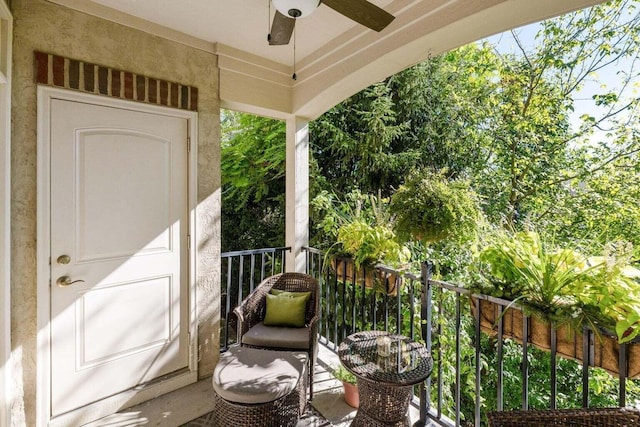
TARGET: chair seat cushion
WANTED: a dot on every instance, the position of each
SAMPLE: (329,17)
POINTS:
(253,376)
(277,337)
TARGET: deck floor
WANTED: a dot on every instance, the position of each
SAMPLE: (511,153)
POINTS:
(191,406)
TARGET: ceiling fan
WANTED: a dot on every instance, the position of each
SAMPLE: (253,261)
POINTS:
(361,11)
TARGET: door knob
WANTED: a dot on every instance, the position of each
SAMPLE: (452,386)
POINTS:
(64,281)
(64,259)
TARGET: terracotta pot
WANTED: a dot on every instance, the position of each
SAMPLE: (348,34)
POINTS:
(568,341)
(351,395)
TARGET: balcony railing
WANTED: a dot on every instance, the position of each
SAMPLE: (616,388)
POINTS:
(470,374)
(241,272)
(458,321)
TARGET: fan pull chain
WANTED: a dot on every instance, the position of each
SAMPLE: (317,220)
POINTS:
(269,23)
(295,33)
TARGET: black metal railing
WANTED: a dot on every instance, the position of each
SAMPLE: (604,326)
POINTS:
(469,336)
(241,272)
(378,298)
(468,378)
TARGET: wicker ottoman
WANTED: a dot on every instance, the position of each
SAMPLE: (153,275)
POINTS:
(255,387)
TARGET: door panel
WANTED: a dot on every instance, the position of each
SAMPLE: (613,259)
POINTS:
(119,212)
(136,302)
(132,230)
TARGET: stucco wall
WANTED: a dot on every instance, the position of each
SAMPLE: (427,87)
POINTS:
(46,27)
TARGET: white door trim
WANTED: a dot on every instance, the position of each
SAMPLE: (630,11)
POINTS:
(6,37)
(43,392)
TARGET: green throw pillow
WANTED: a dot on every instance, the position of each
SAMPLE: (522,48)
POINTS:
(285,309)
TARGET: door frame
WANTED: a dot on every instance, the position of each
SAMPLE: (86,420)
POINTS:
(6,37)
(128,398)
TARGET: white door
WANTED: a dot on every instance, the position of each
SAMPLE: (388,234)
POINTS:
(119,256)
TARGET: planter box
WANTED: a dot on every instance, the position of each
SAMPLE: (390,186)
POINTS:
(568,341)
(344,269)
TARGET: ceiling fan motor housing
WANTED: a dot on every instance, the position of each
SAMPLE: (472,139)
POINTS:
(296,8)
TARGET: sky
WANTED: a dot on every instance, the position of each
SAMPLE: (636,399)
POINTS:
(583,102)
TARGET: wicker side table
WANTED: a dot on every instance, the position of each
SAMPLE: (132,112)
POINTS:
(386,377)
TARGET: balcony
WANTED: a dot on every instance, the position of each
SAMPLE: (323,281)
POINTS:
(481,361)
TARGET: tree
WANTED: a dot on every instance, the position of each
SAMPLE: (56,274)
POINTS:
(426,117)
(539,155)
(253,181)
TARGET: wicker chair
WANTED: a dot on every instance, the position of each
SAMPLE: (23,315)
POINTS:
(253,333)
(591,417)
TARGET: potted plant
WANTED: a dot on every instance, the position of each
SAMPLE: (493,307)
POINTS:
(351,396)
(364,238)
(370,244)
(564,288)
(430,208)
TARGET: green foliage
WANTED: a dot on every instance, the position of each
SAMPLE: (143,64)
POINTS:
(600,208)
(419,120)
(506,124)
(563,286)
(349,141)
(538,147)
(253,182)
(336,212)
(360,227)
(430,208)
(253,159)
(341,374)
(370,245)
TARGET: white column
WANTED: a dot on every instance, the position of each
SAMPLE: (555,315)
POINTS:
(5,221)
(297,189)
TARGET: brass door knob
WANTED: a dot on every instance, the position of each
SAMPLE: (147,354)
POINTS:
(64,281)
(64,259)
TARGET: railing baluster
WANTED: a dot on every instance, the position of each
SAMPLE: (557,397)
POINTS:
(338,338)
(622,369)
(439,328)
(478,364)
(586,337)
(252,279)
(554,366)
(353,309)
(228,305)
(331,308)
(363,305)
(525,361)
(426,314)
(399,306)
(374,311)
(240,281)
(458,386)
(385,306)
(499,383)
(412,311)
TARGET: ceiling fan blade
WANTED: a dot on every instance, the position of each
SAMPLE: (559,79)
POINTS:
(281,29)
(363,12)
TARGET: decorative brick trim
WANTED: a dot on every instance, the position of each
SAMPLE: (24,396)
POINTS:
(54,70)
